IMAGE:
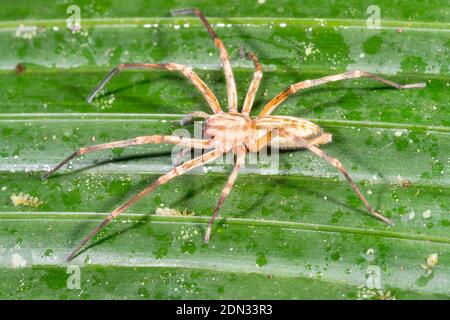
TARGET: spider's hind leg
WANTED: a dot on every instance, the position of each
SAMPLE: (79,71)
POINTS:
(337,164)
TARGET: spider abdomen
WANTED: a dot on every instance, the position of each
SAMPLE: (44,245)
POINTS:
(286,143)
(291,128)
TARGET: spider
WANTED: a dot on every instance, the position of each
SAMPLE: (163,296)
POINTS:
(231,131)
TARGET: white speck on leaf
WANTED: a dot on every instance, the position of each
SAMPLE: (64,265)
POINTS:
(309,49)
(426,214)
(432,260)
(18,261)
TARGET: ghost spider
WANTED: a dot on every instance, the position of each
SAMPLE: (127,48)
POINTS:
(231,131)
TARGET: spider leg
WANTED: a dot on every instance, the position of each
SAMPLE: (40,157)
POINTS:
(281,97)
(196,114)
(228,71)
(175,172)
(187,72)
(157,139)
(251,93)
(336,163)
(226,191)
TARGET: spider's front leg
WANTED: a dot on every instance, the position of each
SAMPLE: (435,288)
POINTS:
(254,85)
(224,58)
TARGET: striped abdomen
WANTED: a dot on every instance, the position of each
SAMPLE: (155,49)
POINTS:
(292,127)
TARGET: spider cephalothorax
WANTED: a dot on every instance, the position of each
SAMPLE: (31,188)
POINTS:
(228,130)
(231,131)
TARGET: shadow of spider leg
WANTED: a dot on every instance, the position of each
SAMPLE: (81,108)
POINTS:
(336,163)
(156,139)
(175,172)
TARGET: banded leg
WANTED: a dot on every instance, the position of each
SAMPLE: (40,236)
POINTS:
(175,172)
(281,97)
(226,191)
(156,139)
(336,163)
(251,93)
(228,71)
(187,72)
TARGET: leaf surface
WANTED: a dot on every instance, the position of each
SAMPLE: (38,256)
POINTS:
(299,232)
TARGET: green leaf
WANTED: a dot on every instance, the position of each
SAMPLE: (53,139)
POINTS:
(299,233)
